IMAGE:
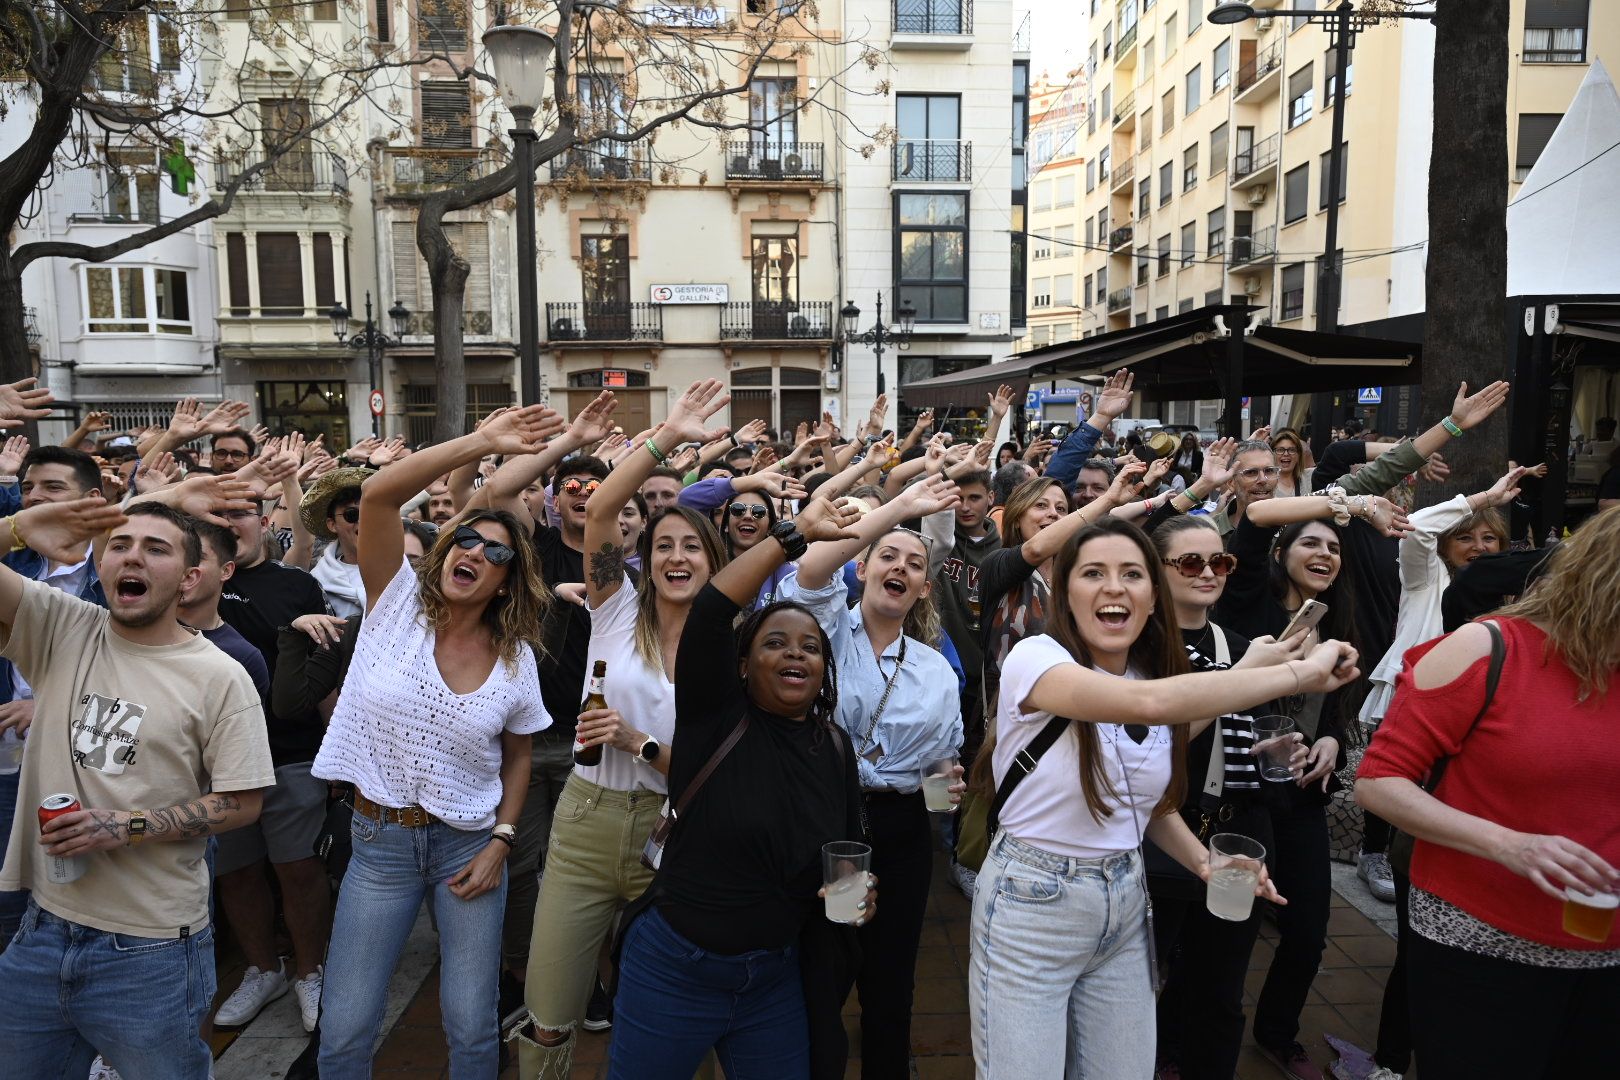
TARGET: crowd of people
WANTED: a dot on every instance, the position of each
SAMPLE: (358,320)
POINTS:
(614,706)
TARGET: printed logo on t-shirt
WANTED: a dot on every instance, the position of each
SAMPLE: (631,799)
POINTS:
(104,735)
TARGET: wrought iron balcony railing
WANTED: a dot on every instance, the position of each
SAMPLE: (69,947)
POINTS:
(933,160)
(773,161)
(594,320)
(776,320)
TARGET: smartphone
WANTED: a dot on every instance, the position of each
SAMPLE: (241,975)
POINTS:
(1305,619)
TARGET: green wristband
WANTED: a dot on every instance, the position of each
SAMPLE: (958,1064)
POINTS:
(658,455)
(1451,426)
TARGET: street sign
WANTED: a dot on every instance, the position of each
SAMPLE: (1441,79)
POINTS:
(376,403)
(615,378)
(1370,395)
(690,294)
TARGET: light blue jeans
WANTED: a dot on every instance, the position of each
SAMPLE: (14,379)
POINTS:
(392,870)
(69,992)
(1058,982)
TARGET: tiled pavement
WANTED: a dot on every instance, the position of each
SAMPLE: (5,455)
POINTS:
(1344,1000)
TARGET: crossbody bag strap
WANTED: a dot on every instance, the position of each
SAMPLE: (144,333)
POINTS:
(1493,677)
(709,766)
(1023,764)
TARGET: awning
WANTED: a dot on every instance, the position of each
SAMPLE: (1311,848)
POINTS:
(1185,357)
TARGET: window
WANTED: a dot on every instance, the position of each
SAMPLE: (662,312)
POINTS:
(441,26)
(774,272)
(316,408)
(1038,335)
(1555,31)
(1170,34)
(1102,225)
(413,287)
(1089,295)
(325,277)
(136,300)
(1296,193)
(1145,128)
(1330,78)
(1184,306)
(773,112)
(383,9)
(1041,292)
(1063,290)
(1164,255)
(1195,16)
(1344,176)
(1167,184)
(422,407)
(1091,233)
(1534,131)
(1212,297)
(323,11)
(131,179)
(1189,168)
(1102,284)
(1293,291)
(932,256)
(1063,239)
(1301,20)
(446,114)
(1091,176)
(284,123)
(1216,244)
(1063,191)
(241,305)
(1301,96)
(1041,248)
(1195,88)
(281,275)
(1142,265)
(1189,242)
(1217,150)
(603,107)
(1147,56)
(1040,195)
(1167,110)
(1161,312)
(1103,157)
(1144,197)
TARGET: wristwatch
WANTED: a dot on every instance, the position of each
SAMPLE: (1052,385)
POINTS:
(137,827)
(787,534)
(649,750)
(506,833)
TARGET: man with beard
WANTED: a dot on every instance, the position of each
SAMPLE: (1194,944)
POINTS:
(161,737)
(441,504)
(661,489)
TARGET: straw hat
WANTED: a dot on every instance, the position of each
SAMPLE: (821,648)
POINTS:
(1163,443)
(318,499)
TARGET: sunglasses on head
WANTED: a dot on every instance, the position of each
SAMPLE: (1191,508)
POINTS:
(742,510)
(1193,565)
(495,552)
(351,514)
(574,486)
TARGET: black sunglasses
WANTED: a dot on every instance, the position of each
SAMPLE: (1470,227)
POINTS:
(1192,565)
(495,552)
(351,514)
(739,510)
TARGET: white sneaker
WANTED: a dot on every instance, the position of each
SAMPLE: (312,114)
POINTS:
(1382,1073)
(1379,876)
(100,1070)
(965,880)
(308,990)
(258,989)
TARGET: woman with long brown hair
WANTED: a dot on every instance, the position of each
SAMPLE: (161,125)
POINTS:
(1516,866)
(1060,957)
(1294,475)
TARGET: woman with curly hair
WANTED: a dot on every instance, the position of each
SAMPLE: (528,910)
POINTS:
(432,729)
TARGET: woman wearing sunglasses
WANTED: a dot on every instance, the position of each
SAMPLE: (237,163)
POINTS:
(432,729)
(1200,1012)
(607,810)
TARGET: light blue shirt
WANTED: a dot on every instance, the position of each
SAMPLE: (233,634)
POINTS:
(923,718)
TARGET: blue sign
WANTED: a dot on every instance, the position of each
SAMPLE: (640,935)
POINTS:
(1037,398)
(1370,395)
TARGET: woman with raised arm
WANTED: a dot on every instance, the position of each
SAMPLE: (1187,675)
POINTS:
(1060,971)
(711,955)
(607,810)
(898,703)
(432,729)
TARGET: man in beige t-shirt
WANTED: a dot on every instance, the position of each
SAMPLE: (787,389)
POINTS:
(161,738)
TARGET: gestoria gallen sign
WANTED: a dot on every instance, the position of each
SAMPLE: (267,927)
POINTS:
(691,294)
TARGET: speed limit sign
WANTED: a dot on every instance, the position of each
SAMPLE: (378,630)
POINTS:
(376,403)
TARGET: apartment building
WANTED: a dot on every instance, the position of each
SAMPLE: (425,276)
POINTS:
(1058,237)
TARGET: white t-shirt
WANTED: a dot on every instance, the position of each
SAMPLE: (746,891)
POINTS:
(641,693)
(1048,810)
(404,738)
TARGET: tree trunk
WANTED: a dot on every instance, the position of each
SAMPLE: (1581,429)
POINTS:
(1466,278)
(448,272)
(16,359)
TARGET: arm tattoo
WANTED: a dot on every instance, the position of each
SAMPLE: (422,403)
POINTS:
(105,821)
(190,820)
(607,566)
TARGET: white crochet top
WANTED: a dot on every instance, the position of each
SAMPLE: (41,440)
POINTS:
(403,737)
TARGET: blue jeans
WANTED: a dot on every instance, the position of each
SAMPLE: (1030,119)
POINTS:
(1058,982)
(69,992)
(12,904)
(392,870)
(676,1001)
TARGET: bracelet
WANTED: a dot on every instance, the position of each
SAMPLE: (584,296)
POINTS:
(1295,672)
(17,542)
(1147,506)
(1337,503)
(1451,426)
(658,455)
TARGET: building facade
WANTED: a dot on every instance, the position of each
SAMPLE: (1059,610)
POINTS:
(1057,240)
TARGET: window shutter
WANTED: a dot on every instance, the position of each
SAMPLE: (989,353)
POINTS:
(446,115)
(384,11)
(1299,83)
(471,239)
(1534,131)
(281,274)
(1555,13)
(441,25)
(325,289)
(410,272)
(237,265)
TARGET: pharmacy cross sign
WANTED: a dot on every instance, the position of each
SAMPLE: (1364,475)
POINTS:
(180,169)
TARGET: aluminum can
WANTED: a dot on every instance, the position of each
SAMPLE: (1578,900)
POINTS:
(60,869)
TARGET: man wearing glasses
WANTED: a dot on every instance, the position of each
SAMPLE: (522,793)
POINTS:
(230,450)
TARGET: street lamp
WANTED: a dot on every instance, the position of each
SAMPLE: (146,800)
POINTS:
(897,335)
(521,59)
(373,340)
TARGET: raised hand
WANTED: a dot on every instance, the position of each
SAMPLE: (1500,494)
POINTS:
(764,458)
(268,469)
(1471,410)
(1327,667)
(227,415)
(258,433)
(1115,397)
(209,497)
(772,485)
(521,431)
(1036,448)
(751,432)
(878,413)
(930,495)
(611,447)
(1435,470)
(1127,482)
(684,461)
(386,453)
(60,530)
(691,412)
(11,456)
(925,420)
(801,433)
(22,400)
(1385,516)
(827,520)
(315,467)
(324,630)
(1506,489)
(1260,434)
(157,471)
(1156,473)
(595,421)
(1219,463)
(1000,402)
(361,451)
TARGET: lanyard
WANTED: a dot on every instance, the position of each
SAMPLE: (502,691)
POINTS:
(888,688)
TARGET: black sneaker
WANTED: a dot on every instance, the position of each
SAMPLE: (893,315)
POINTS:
(599,1013)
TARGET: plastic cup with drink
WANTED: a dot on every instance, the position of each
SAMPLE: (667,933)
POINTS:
(1274,746)
(1235,863)
(937,777)
(11,753)
(845,866)
(1589,915)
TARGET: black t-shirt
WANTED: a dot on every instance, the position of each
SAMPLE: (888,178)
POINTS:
(742,870)
(1486,583)
(566,635)
(257,602)
(1609,486)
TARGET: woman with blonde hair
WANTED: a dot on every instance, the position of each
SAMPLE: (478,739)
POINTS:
(432,729)
(1514,869)
(1292,453)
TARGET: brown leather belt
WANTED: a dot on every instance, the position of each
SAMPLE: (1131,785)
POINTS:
(411,817)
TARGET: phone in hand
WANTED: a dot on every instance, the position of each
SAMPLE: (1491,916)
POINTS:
(1306,619)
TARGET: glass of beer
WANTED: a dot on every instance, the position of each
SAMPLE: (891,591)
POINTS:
(1589,915)
(1235,863)
(1274,746)
(937,777)
(844,868)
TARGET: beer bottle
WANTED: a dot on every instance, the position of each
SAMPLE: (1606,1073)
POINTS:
(595,698)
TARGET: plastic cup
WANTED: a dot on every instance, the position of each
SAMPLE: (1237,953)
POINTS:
(937,778)
(1274,746)
(1235,863)
(845,865)
(11,753)
(1589,916)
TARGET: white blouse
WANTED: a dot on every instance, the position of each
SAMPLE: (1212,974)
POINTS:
(641,693)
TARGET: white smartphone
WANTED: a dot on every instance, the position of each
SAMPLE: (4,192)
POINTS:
(1305,619)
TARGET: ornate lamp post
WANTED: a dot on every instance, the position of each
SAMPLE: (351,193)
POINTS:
(371,338)
(880,335)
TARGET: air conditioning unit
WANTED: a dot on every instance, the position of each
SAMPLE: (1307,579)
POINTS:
(1251,285)
(1262,23)
(1257,195)
(793,164)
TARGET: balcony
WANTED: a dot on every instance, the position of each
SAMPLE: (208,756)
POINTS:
(1125,48)
(604,321)
(1121,238)
(933,161)
(1256,165)
(790,161)
(605,162)
(1124,174)
(1259,78)
(1124,118)
(296,173)
(776,320)
(1259,247)
(410,169)
(1119,300)
(931,24)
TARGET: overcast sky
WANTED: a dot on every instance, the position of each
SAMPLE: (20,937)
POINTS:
(1057,30)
